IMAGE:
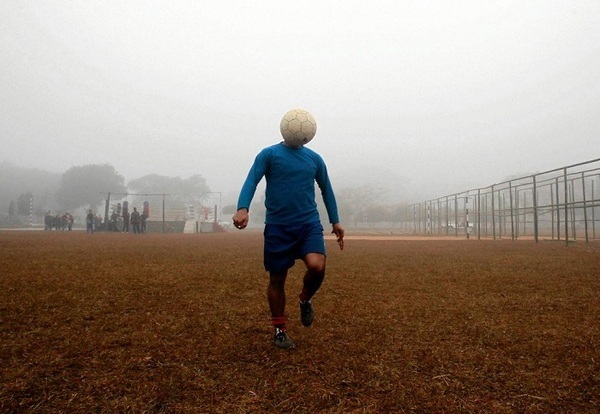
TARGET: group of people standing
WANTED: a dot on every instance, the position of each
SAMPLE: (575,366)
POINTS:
(59,222)
(136,219)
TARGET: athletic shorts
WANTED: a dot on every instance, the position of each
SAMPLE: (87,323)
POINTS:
(283,244)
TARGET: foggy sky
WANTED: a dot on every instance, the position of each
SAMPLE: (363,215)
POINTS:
(425,98)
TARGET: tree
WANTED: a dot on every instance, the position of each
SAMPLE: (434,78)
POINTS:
(87,186)
(354,202)
(181,192)
(24,204)
(400,210)
(15,180)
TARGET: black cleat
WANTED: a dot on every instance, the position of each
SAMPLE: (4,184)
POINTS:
(307,312)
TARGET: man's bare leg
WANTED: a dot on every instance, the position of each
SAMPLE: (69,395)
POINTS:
(276,301)
(315,275)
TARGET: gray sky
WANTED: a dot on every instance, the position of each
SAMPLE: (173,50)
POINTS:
(425,97)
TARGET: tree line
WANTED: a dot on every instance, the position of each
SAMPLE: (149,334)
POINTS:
(30,191)
(83,187)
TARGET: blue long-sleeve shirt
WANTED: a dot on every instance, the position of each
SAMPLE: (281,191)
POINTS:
(290,192)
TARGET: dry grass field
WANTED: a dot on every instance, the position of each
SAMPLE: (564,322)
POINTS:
(173,323)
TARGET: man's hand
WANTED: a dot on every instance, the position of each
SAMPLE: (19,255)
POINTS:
(339,231)
(241,218)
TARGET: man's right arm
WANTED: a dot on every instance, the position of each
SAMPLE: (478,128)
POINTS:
(257,171)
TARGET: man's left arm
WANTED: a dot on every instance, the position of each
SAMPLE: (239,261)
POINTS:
(328,197)
(339,232)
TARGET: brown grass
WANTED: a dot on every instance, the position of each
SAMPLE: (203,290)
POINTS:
(110,323)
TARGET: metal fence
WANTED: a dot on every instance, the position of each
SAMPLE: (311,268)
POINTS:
(560,204)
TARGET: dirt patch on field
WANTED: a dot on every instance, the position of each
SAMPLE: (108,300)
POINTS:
(174,323)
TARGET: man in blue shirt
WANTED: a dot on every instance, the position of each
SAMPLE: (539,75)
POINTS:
(292,226)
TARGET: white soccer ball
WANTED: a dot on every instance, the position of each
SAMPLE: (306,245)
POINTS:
(298,127)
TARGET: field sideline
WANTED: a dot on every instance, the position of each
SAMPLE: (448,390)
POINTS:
(173,323)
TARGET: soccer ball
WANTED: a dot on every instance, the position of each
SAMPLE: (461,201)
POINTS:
(298,127)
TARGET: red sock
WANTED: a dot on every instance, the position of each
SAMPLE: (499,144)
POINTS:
(279,322)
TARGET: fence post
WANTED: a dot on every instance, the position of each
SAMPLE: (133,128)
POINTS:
(467,217)
(493,217)
(573,210)
(456,215)
(584,207)
(535,196)
(517,213)
(479,214)
(107,212)
(552,212)
(439,217)
(511,210)
(565,206)
(414,219)
(502,214)
(447,217)
(558,208)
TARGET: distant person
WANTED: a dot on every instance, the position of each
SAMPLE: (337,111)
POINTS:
(90,222)
(126,226)
(114,221)
(292,225)
(69,221)
(143,222)
(48,221)
(135,220)
(64,222)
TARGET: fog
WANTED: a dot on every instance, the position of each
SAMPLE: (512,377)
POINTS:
(420,98)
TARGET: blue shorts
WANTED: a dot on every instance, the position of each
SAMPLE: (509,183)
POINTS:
(283,244)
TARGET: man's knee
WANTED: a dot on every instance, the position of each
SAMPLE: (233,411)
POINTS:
(315,262)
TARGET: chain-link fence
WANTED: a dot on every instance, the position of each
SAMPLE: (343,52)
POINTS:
(560,204)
